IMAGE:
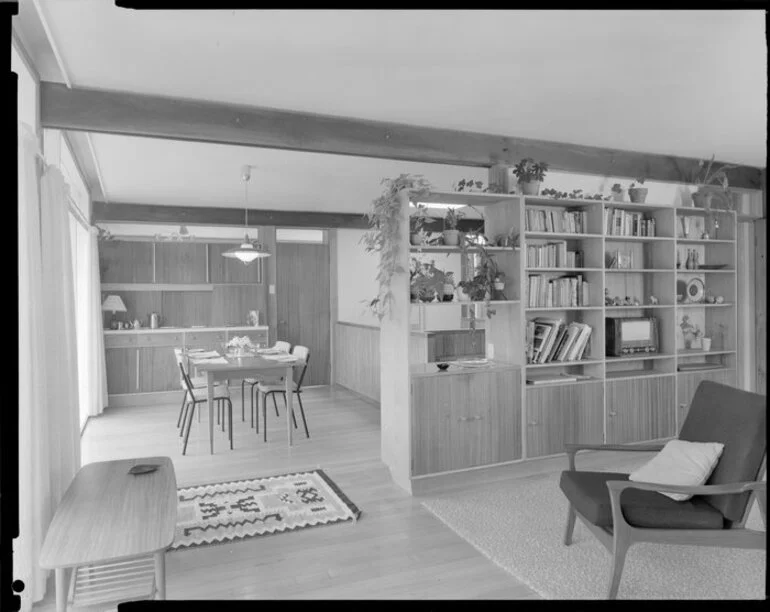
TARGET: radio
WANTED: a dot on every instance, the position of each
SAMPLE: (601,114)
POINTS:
(631,335)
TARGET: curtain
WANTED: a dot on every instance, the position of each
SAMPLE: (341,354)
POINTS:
(96,389)
(49,433)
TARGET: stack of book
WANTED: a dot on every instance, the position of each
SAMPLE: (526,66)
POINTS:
(553,340)
(553,255)
(556,220)
(560,292)
(619,222)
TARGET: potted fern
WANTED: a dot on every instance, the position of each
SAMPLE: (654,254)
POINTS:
(417,223)
(712,185)
(529,175)
(637,194)
(451,233)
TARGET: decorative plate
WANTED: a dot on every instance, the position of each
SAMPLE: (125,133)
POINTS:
(696,290)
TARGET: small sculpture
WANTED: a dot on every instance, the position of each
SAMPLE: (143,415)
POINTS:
(607,298)
(616,301)
(627,302)
(710,299)
(720,299)
(636,301)
(653,300)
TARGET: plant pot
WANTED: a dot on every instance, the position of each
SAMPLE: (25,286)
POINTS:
(451,237)
(617,196)
(462,296)
(637,194)
(701,199)
(530,187)
(415,239)
(706,344)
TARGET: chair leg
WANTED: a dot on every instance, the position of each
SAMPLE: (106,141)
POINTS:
(264,414)
(181,409)
(285,405)
(275,404)
(255,401)
(230,421)
(302,412)
(189,426)
(570,525)
(251,399)
(184,417)
(620,548)
(222,408)
(243,402)
(217,403)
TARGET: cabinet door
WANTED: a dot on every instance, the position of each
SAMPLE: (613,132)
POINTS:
(125,261)
(688,382)
(494,418)
(563,414)
(177,262)
(226,270)
(209,340)
(257,336)
(639,410)
(122,370)
(158,369)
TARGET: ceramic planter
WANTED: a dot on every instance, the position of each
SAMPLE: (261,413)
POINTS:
(415,239)
(637,194)
(617,196)
(530,187)
(451,237)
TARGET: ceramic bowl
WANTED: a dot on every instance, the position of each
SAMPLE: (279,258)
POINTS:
(442,366)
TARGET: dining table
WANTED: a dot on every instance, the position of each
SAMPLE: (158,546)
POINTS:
(226,367)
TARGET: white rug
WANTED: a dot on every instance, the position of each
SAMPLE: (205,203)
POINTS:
(520,527)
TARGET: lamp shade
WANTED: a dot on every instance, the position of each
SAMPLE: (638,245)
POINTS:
(247,252)
(113,303)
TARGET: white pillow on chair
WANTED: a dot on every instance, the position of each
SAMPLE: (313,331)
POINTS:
(680,463)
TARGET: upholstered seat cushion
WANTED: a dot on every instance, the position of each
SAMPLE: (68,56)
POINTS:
(588,493)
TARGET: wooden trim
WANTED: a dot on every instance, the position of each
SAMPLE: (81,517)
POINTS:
(85,162)
(158,287)
(331,238)
(358,325)
(120,112)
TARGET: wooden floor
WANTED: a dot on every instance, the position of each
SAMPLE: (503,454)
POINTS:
(396,550)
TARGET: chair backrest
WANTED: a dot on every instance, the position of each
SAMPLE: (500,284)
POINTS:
(281,345)
(179,354)
(186,380)
(737,419)
(303,353)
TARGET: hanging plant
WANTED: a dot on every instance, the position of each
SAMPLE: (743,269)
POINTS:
(384,235)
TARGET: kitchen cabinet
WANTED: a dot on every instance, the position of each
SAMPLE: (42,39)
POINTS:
(464,420)
(640,409)
(125,261)
(688,382)
(180,262)
(158,369)
(122,365)
(226,270)
(257,336)
(209,340)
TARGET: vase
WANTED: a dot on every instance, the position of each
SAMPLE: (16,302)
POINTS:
(701,199)
(637,194)
(617,196)
(451,237)
(530,187)
(415,239)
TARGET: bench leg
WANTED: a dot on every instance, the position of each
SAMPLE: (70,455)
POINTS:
(61,589)
(160,574)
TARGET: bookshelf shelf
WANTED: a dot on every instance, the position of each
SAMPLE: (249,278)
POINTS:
(456,250)
(634,374)
(687,211)
(698,352)
(638,238)
(702,241)
(563,383)
(705,305)
(642,357)
(709,370)
(458,303)
(556,364)
(637,270)
(702,271)
(639,307)
(535,270)
(563,235)
(561,308)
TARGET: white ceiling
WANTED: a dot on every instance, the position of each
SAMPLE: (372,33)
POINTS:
(688,83)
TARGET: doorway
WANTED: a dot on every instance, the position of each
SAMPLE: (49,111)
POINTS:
(302,298)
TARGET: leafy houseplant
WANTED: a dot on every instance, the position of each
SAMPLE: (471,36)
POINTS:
(530,175)
(481,287)
(417,222)
(383,237)
(617,192)
(637,194)
(712,185)
(451,233)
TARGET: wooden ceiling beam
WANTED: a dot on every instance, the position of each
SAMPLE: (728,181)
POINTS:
(126,212)
(126,113)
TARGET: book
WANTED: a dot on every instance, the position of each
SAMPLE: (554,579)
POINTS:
(541,379)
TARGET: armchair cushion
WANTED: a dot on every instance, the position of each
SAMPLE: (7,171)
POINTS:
(738,419)
(588,493)
(680,463)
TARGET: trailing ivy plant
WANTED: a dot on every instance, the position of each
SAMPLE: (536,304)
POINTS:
(384,235)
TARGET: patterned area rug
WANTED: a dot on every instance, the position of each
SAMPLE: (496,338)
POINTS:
(225,511)
(520,527)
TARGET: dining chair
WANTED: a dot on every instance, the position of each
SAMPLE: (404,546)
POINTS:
(301,352)
(197,382)
(254,381)
(200,396)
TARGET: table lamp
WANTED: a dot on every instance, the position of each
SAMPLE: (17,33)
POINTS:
(115,304)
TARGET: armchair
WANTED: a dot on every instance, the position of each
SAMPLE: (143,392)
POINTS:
(620,512)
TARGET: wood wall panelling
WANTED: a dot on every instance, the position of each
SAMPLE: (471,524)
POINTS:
(563,414)
(139,305)
(639,410)
(120,112)
(688,383)
(231,303)
(357,359)
(227,270)
(760,236)
(122,374)
(185,308)
(158,369)
(267,237)
(125,261)
(180,262)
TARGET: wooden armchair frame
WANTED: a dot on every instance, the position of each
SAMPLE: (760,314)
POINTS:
(618,539)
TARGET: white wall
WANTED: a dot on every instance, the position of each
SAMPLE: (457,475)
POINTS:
(356,278)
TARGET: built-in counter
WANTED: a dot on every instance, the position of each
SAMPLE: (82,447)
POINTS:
(464,417)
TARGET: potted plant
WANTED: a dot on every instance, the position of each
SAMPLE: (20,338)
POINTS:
(499,285)
(637,194)
(417,222)
(711,185)
(617,192)
(529,175)
(451,233)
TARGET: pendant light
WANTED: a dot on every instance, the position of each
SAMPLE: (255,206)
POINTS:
(248,251)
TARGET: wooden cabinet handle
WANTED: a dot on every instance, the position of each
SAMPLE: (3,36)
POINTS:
(612,414)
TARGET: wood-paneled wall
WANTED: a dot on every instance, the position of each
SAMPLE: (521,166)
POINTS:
(760,237)
(357,358)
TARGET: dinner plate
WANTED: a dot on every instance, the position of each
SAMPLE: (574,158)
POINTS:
(473,363)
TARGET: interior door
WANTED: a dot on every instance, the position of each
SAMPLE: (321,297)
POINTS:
(760,276)
(302,298)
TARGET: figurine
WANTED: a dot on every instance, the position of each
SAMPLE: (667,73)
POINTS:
(653,300)
(616,301)
(636,301)
(710,299)
(627,301)
(704,236)
(720,299)
(607,298)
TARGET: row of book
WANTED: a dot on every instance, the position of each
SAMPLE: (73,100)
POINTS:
(563,291)
(553,255)
(556,220)
(619,222)
(553,340)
